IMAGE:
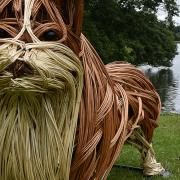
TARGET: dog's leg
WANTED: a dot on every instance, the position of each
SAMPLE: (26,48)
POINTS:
(150,166)
(143,111)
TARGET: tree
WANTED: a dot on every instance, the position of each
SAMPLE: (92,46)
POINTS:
(129,30)
(172,10)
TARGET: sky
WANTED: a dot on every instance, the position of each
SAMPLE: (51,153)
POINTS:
(162,14)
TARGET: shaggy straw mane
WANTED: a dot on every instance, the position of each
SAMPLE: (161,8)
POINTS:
(38,112)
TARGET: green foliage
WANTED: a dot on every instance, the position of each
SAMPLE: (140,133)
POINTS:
(145,5)
(121,32)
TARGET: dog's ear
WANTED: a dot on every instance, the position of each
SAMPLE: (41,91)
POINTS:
(78,16)
(72,12)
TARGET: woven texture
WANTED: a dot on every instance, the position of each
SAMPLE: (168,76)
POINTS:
(116,98)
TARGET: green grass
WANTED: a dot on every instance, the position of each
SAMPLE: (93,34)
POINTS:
(166,143)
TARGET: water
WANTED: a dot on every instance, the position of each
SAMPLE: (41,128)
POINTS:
(167,83)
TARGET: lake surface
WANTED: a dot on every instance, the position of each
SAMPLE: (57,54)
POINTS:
(167,83)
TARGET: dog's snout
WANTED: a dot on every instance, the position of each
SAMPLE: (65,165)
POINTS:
(19,68)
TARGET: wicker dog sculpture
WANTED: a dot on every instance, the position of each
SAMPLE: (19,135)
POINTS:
(63,114)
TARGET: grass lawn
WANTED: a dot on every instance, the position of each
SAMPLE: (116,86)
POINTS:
(166,144)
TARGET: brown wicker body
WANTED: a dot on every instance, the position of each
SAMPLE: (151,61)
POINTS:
(116,98)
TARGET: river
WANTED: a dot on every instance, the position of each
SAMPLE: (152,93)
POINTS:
(167,83)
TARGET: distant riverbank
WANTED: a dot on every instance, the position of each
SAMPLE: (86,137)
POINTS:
(167,83)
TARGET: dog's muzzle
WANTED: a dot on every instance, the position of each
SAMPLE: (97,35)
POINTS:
(40,67)
(19,68)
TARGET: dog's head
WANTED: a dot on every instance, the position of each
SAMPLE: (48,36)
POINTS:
(50,20)
(33,30)
(40,87)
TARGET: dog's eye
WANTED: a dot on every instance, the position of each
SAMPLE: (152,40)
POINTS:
(50,36)
(4,34)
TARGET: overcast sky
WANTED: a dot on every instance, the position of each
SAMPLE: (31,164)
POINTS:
(162,14)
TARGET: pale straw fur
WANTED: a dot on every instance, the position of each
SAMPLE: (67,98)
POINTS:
(39,112)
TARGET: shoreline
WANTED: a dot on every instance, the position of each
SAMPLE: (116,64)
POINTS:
(164,113)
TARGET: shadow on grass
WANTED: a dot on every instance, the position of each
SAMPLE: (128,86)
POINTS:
(118,173)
